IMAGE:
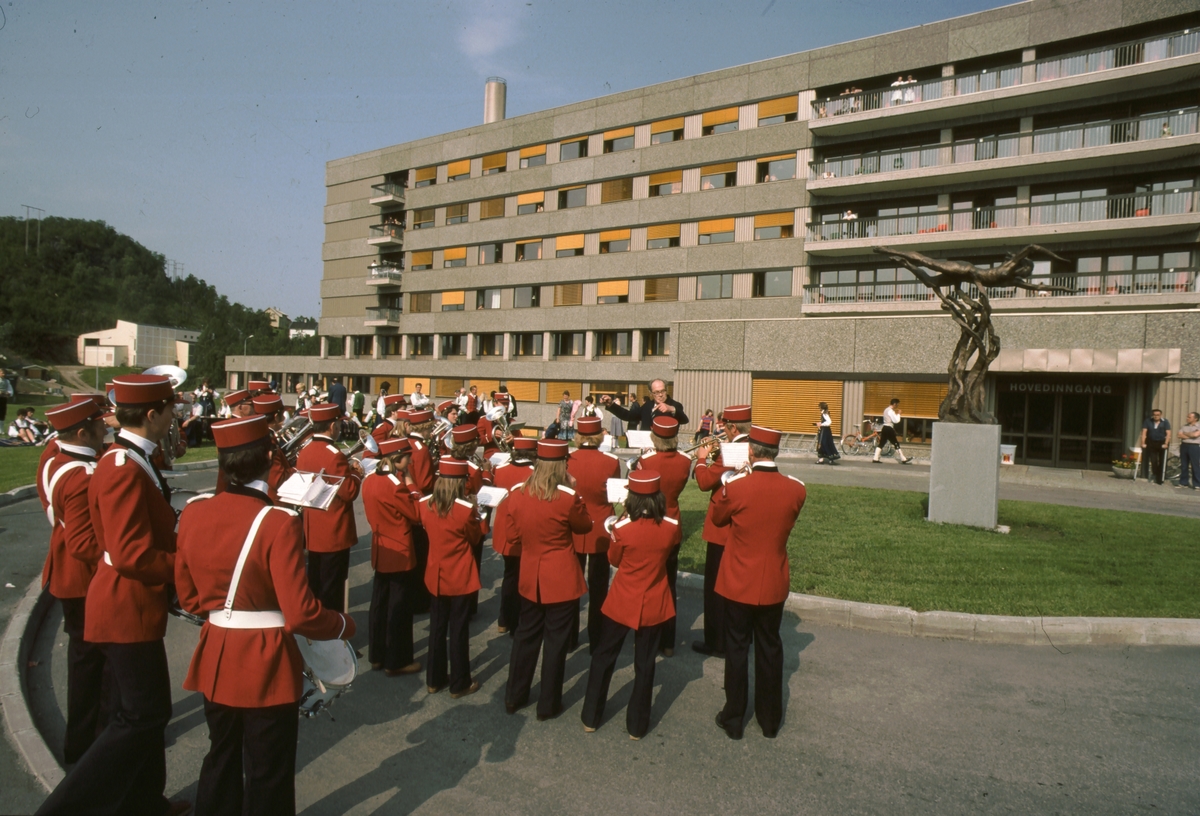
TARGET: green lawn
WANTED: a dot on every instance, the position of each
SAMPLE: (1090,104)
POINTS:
(875,546)
(18,466)
(88,375)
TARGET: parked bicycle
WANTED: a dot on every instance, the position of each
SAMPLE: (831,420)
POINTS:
(854,444)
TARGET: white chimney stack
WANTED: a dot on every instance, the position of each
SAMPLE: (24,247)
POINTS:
(494,97)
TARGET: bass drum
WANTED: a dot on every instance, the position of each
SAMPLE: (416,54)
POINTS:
(330,666)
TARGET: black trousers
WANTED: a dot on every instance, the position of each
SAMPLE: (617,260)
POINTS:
(744,622)
(87,714)
(668,632)
(125,770)
(477,552)
(595,569)
(604,660)
(251,763)
(544,627)
(449,637)
(510,595)
(1153,454)
(327,578)
(714,604)
(390,625)
(887,434)
(421,597)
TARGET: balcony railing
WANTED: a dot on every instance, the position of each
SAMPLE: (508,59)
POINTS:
(384,313)
(1068,211)
(385,273)
(388,190)
(1145,128)
(1137,52)
(387,233)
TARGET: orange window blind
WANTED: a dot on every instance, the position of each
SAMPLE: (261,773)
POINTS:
(536,150)
(569,242)
(716,225)
(445,387)
(779,219)
(491,208)
(427,174)
(410,384)
(459,168)
(662,231)
(791,405)
(495,160)
(718,169)
(568,294)
(619,133)
(778,107)
(919,400)
(661,289)
(424,258)
(531,198)
(614,235)
(454,253)
(615,288)
(554,390)
(522,390)
(719,117)
(616,190)
(484,387)
(780,157)
(667,125)
(453,298)
(670,177)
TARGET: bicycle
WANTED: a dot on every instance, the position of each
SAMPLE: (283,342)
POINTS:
(855,444)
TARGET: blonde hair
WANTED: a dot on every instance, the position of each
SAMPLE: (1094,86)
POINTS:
(445,490)
(391,462)
(422,428)
(465,450)
(547,475)
(589,440)
(663,445)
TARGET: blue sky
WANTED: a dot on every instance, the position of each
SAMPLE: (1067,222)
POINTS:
(202,128)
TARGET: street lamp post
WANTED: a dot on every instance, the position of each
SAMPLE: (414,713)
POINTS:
(245,365)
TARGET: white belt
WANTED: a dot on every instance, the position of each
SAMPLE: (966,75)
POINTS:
(107,559)
(271,619)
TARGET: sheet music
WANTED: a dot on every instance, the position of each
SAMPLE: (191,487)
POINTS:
(735,454)
(292,491)
(618,491)
(606,444)
(499,458)
(639,439)
(491,496)
(309,490)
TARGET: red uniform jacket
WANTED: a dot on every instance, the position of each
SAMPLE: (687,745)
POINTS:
(451,569)
(391,512)
(49,451)
(248,668)
(507,476)
(331,530)
(639,595)
(759,509)
(420,466)
(281,471)
(380,432)
(71,561)
(135,526)
(708,479)
(592,469)
(675,469)
(545,531)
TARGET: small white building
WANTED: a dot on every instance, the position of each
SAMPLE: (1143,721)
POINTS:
(138,345)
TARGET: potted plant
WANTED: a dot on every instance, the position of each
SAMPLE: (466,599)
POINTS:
(1125,467)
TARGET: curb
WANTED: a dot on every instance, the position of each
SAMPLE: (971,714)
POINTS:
(18,494)
(207,464)
(1007,629)
(14,651)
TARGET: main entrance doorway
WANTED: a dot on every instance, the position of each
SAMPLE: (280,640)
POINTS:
(1063,423)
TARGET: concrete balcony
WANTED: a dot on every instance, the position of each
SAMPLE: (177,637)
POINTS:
(383,316)
(384,274)
(387,194)
(386,235)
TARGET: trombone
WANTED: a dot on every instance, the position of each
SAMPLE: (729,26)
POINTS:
(708,441)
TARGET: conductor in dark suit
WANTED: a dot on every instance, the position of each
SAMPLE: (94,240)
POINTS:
(644,414)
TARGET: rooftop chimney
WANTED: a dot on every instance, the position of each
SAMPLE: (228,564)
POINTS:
(494,95)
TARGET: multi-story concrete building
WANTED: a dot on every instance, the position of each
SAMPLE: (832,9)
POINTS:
(136,344)
(718,232)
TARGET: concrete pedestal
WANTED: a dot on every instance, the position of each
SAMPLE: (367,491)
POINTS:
(964,480)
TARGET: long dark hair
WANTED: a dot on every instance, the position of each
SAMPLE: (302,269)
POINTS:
(653,507)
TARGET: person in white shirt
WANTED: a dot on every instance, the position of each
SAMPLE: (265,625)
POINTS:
(418,398)
(891,418)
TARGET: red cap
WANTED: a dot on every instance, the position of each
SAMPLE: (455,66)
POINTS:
(393,399)
(463,434)
(452,467)
(394,445)
(233,398)
(665,427)
(765,436)
(737,413)
(72,413)
(423,415)
(324,412)
(588,425)
(142,389)
(267,404)
(258,385)
(551,450)
(241,432)
(443,407)
(401,415)
(643,482)
(501,399)
(522,443)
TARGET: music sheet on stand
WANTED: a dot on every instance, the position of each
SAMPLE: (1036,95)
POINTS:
(309,490)
(735,454)
(639,439)
(490,496)
(618,490)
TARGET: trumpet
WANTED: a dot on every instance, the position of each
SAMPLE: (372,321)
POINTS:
(729,474)
(708,442)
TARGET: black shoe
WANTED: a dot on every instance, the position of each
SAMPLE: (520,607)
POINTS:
(543,717)
(728,733)
(513,708)
(770,734)
(703,648)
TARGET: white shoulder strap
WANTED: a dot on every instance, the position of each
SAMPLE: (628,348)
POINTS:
(46,478)
(58,474)
(124,454)
(241,562)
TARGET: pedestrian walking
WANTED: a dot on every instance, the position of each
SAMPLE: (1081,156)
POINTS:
(891,419)
(827,452)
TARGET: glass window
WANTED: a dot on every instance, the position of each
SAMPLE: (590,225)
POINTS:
(487,299)
(618,144)
(529,251)
(713,287)
(525,297)
(568,344)
(422,260)
(495,163)
(717,234)
(454,345)
(489,345)
(527,345)
(572,197)
(662,243)
(454,256)
(621,245)
(420,345)
(656,342)
(613,343)
(608,292)
(776,169)
(490,253)
(768,233)
(616,190)
(568,252)
(425,177)
(666,136)
(458,170)
(1174,260)
(533,161)
(777,283)
(531,208)
(718,180)
(568,294)
(456,214)
(661,290)
(423,218)
(666,189)
(573,150)
(419,302)
(491,208)
(724,127)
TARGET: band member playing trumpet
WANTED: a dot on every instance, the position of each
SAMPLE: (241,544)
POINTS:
(452,578)
(270,405)
(257,387)
(508,475)
(544,515)
(240,404)
(639,599)
(240,565)
(592,468)
(392,511)
(759,509)
(329,534)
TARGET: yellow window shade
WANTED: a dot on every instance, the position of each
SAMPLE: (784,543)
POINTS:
(427,174)
(778,107)
(523,390)
(919,400)
(454,253)
(424,258)
(568,294)
(491,208)
(484,387)
(530,241)
(716,225)
(661,289)
(446,388)
(614,235)
(554,390)
(569,242)
(453,298)
(780,157)
(662,231)
(719,117)
(573,141)
(536,150)
(791,405)
(670,177)
(666,125)
(718,169)
(616,288)
(616,190)
(620,133)
(459,168)
(377,383)
(779,219)
(410,384)
(494,160)
(531,198)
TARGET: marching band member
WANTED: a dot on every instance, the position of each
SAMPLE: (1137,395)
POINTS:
(508,475)
(592,468)
(638,599)
(464,442)
(386,427)
(392,511)
(422,474)
(257,387)
(125,769)
(270,405)
(239,564)
(708,479)
(759,509)
(50,449)
(239,404)
(329,534)
(675,468)
(451,577)
(543,517)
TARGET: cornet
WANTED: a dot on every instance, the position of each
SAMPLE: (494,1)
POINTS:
(709,441)
(729,474)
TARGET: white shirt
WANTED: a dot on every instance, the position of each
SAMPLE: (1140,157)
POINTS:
(891,416)
(418,399)
(78,450)
(145,445)
(826,422)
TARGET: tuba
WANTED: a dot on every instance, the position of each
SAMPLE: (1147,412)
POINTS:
(292,436)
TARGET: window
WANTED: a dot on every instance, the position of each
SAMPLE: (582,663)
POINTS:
(390,345)
(423,218)
(453,345)
(527,297)
(567,344)
(777,283)
(489,345)
(713,287)
(529,203)
(529,250)
(495,163)
(533,156)
(568,294)
(574,149)
(776,168)
(527,345)
(425,177)
(715,176)
(617,140)
(774,225)
(568,245)
(487,299)
(717,231)
(663,184)
(456,214)
(719,121)
(656,342)
(612,292)
(662,236)
(422,260)
(490,253)
(571,197)
(453,301)
(666,130)
(616,190)
(776,111)
(454,256)
(613,343)
(614,241)
(661,290)
(420,345)
(491,208)
(362,344)
(458,170)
